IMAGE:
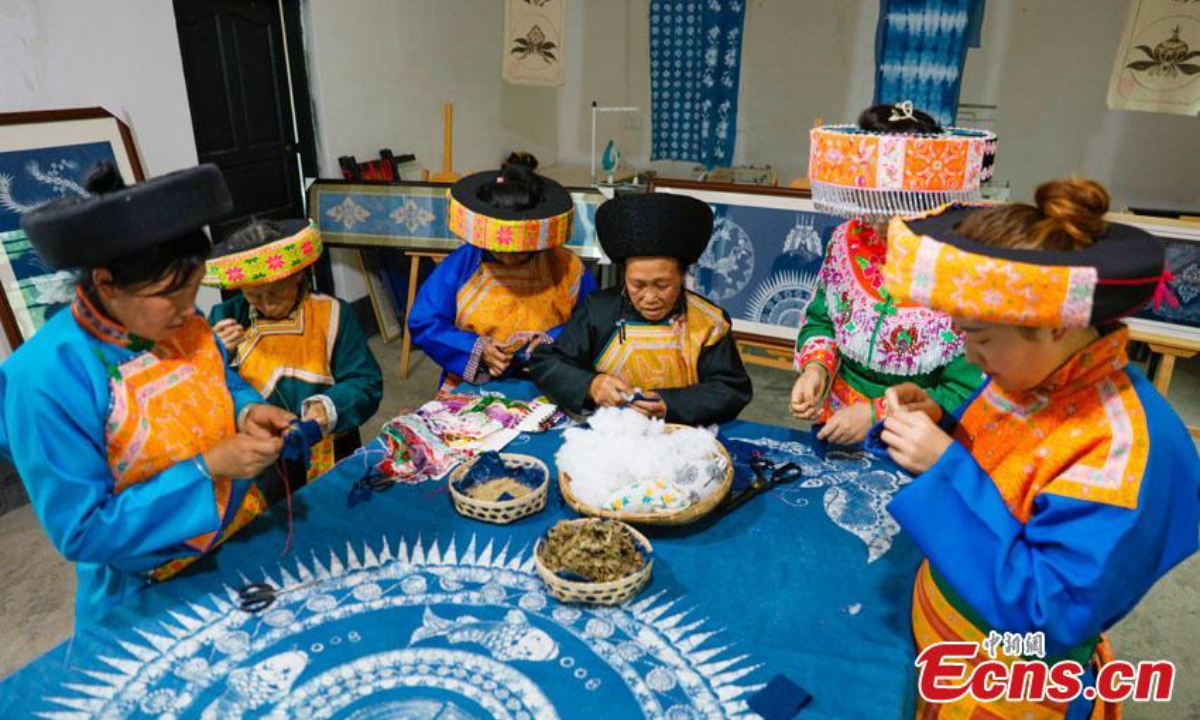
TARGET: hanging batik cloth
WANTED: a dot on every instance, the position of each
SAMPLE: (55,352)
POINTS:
(920,50)
(695,60)
(533,42)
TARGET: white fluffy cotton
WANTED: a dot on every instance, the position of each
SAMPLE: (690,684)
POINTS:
(623,447)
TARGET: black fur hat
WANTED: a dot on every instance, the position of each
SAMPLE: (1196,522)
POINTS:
(114,220)
(654,225)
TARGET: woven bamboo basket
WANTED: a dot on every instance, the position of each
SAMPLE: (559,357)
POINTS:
(595,593)
(501,512)
(687,515)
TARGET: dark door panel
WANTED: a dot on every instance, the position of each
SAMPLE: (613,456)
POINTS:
(237,81)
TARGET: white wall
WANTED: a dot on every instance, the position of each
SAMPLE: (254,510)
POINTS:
(380,71)
(800,61)
(382,68)
(1047,65)
(122,55)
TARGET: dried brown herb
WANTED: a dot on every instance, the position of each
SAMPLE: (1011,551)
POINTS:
(491,490)
(600,551)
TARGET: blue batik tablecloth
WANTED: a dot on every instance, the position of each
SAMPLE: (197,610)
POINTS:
(399,608)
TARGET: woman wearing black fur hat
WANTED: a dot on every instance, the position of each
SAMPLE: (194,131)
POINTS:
(126,427)
(649,344)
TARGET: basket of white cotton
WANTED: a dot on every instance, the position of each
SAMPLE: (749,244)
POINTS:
(628,467)
(601,562)
(500,487)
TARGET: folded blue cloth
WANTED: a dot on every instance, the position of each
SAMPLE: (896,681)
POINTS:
(299,439)
(874,443)
(822,447)
(490,466)
(781,699)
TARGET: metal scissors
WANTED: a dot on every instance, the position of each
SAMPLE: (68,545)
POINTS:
(779,475)
(256,597)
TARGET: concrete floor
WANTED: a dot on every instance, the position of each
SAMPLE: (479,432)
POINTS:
(37,586)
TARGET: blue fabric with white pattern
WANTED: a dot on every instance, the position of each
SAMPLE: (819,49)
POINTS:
(920,50)
(398,607)
(695,61)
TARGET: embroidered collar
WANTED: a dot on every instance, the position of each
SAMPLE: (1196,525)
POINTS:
(1087,367)
(872,328)
(95,322)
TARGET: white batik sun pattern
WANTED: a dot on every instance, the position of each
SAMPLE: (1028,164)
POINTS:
(782,299)
(856,495)
(410,631)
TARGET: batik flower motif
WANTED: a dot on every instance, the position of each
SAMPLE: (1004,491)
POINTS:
(234,274)
(504,236)
(412,216)
(275,262)
(348,213)
(536,43)
(306,248)
(1168,59)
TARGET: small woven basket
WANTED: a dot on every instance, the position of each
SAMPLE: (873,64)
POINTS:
(687,515)
(501,512)
(596,593)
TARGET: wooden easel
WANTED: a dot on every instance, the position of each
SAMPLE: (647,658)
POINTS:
(447,173)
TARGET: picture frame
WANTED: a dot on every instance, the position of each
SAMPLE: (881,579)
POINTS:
(762,262)
(44,156)
(1178,323)
(410,215)
(391,325)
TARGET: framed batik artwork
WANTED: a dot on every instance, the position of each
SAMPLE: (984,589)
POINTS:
(44,156)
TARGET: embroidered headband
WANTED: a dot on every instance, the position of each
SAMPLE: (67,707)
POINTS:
(266,263)
(929,263)
(546,225)
(858,173)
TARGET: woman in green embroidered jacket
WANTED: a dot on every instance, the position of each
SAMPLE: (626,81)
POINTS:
(856,341)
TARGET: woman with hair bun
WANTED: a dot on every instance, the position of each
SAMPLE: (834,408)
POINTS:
(856,340)
(511,288)
(1067,486)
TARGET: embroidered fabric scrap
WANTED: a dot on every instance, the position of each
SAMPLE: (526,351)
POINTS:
(648,497)
(429,442)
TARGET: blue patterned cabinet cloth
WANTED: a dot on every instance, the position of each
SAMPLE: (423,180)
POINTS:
(400,608)
(412,216)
